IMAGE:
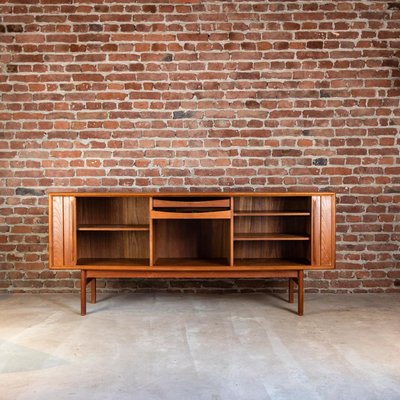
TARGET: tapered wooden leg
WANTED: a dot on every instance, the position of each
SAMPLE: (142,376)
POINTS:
(291,290)
(93,290)
(83,292)
(300,300)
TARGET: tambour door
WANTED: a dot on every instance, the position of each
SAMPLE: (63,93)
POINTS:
(323,231)
(62,232)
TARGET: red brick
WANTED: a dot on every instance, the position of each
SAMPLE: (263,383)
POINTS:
(258,92)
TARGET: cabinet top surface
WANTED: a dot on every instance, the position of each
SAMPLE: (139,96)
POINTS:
(189,194)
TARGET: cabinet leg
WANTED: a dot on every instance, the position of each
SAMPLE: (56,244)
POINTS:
(291,290)
(300,300)
(83,292)
(93,291)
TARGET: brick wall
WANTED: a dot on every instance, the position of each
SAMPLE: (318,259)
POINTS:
(202,95)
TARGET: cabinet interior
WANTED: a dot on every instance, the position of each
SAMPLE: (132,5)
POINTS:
(112,211)
(271,204)
(194,230)
(191,242)
(113,230)
(272,230)
(113,246)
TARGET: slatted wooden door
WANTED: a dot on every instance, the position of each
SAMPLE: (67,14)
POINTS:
(62,232)
(323,231)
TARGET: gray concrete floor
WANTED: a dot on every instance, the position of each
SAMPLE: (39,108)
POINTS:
(208,347)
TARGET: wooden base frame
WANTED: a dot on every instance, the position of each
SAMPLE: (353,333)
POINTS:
(295,277)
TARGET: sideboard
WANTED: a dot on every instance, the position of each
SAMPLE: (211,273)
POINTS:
(192,235)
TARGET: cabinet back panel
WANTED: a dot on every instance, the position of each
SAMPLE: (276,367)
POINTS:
(112,210)
(294,225)
(273,204)
(272,249)
(191,238)
(113,244)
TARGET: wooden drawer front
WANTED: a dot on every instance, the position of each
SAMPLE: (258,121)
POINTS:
(166,203)
(191,215)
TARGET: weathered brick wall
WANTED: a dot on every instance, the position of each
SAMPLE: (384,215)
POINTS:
(202,95)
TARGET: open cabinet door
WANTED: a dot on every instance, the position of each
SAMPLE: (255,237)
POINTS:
(323,231)
(62,232)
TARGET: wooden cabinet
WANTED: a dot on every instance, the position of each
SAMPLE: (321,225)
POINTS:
(192,235)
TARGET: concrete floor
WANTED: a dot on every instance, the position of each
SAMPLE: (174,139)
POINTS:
(192,347)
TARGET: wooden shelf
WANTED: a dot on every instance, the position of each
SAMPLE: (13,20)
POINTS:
(114,262)
(271,213)
(113,227)
(270,262)
(269,236)
(191,262)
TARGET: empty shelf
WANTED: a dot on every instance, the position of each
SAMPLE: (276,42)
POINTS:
(266,213)
(95,227)
(115,262)
(270,262)
(191,262)
(269,236)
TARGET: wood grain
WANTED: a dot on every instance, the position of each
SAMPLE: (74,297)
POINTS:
(242,265)
(151,235)
(113,211)
(187,194)
(300,290)
(62,237)
(113,244)
(316,230)
(218,235)
(230,234)
(254,226)
(323,231)
(191,203)
(113,262)
(114,227)
(198,274)
(272,249)
(298,225)
(291,291)
(269,236)
(270,204)
(57,224)
(191,238)
(271,213)
(191,215)
(83,292)
(326,230)
(191,262)
(69,231)
(281,263)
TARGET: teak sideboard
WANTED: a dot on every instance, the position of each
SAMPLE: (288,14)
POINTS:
(192,235)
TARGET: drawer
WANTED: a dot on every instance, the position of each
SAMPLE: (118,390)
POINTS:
(225,214)
(190,202)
